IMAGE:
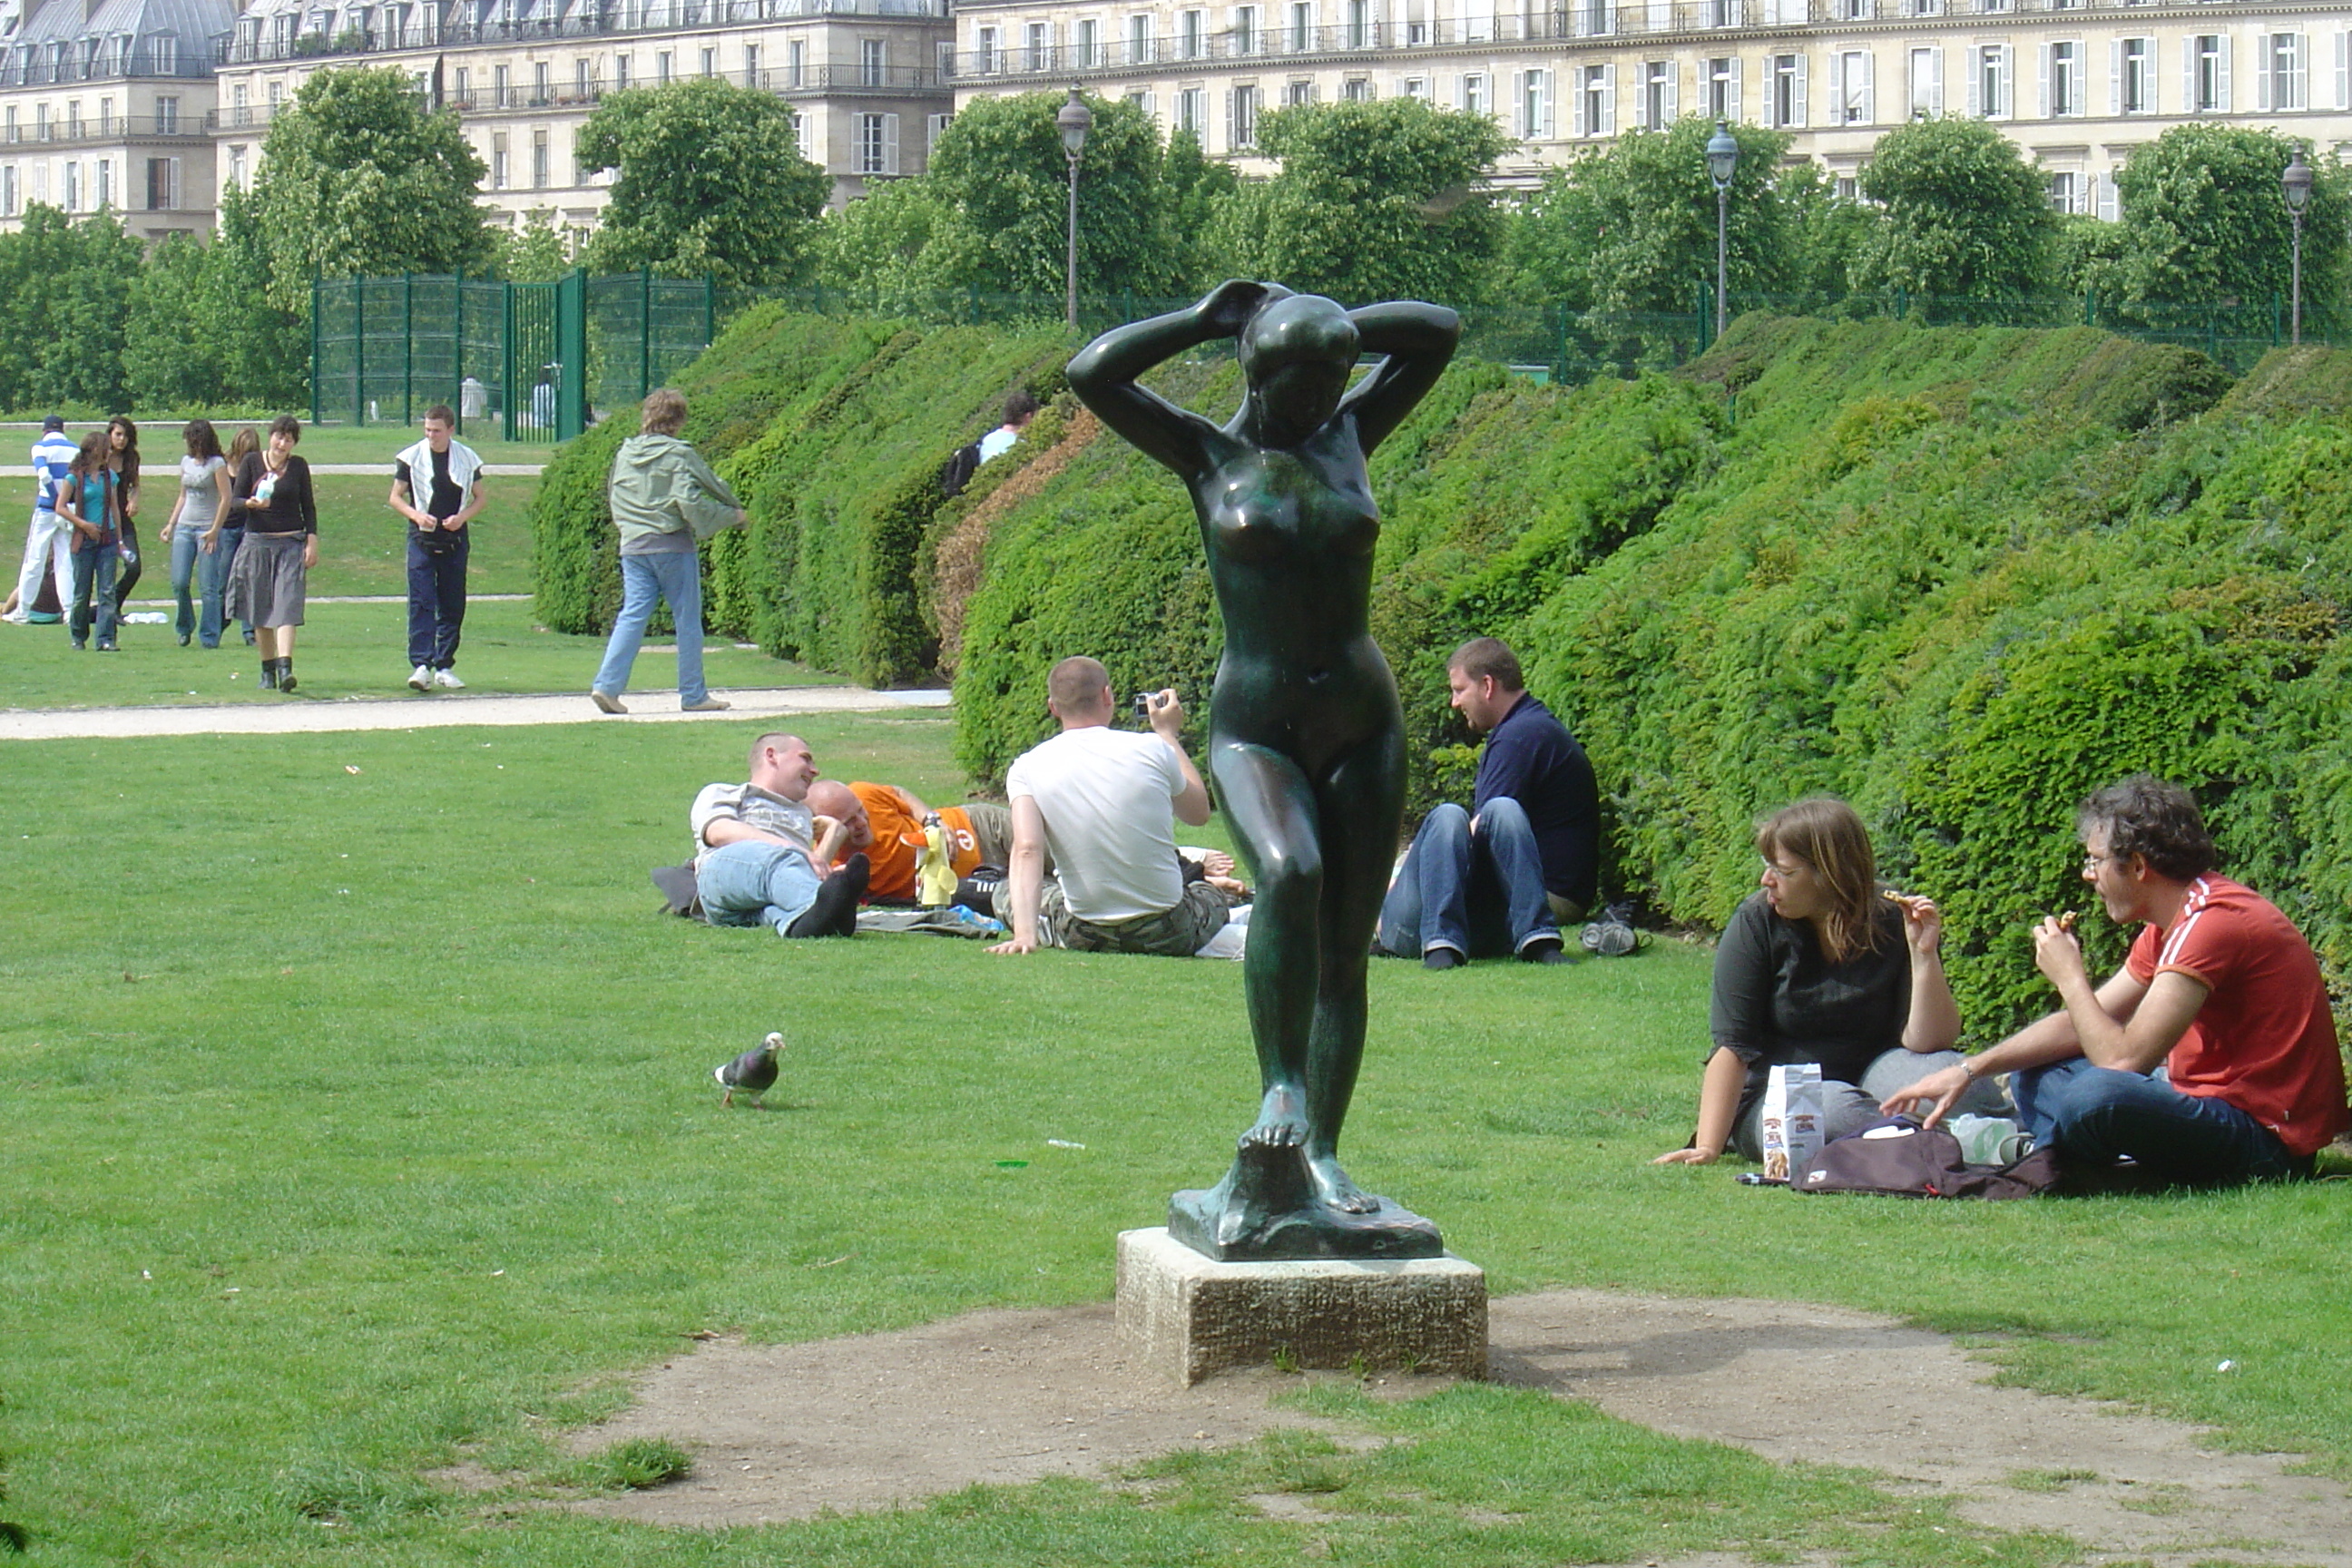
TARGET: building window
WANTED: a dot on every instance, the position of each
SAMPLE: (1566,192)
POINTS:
(500,96)
(665,67)
(1992,7)
(2065,192)
(1473,93)
(1302,28)
(1040,54)
(1192,110)
(1855,10)
(1723,13)
(1357,89)
(2209,74)
(1243,127)
(1415,86)
(542,86)
(236,167)
(1360,25)
(1535,104)
(1926,83)
(2283,73)
(751,65)
(167,116)
(498,162)
(1190,31)
(877,144)
(1139,40)
(1595,113)
(2136,75)
(1244,34)
(1788,90)
(1298,93)
(73,185)
(1723,87)
(1927,7)
(106,117)
(584,80)
(105,183)
(1989,84)
(796,61)
(1596,21)
(983,53)
(620,73)
(9,191)
(73,119)
(1089,45)
(869,62)
(1850,86)
(1658,84)
(2065,66)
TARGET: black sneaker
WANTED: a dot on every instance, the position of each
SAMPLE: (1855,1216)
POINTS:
(1543,950)
(1442,958)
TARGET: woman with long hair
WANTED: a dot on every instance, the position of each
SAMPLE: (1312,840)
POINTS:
(1306,733)
(266,589)
(193,531)
(231,528)
(122,462)
(86,500)
(1821,965)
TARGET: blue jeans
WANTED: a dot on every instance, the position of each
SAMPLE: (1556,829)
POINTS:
(185,559)
(2096,1115)
(750,883)
(1477,889)
(437,600)
(93,567)
(212,572)
(676,579)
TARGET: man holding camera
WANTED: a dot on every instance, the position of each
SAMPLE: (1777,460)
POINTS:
(1100,799)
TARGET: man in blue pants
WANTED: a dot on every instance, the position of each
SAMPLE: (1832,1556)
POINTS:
(436,485)
(1502,876)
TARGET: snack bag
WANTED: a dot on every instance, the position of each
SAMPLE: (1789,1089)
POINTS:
(1791,1119)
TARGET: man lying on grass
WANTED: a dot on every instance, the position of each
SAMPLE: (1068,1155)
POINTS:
(762,857)
(2219,987)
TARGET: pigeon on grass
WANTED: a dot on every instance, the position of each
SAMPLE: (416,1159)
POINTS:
(752,1073)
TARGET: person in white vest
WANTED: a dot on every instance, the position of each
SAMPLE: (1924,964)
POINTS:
(436,485)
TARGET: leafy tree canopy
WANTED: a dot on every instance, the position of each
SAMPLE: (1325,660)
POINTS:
(1963,214)
(1631,227)
(65,295)
(534,250)
(1375,201)
(2204,220)
(878,251)
(711,180)
(358,180)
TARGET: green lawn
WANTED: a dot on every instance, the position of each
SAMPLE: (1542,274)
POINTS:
(359,1119)
(345,650)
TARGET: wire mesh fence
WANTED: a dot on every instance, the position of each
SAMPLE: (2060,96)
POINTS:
(541,362)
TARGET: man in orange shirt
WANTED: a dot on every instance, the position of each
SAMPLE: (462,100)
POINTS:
(889,823)
(2220,988)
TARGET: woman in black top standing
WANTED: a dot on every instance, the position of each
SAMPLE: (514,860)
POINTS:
(122,462)
(1821,965)
(272,490)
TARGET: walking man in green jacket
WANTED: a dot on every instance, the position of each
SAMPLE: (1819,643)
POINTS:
(664,499)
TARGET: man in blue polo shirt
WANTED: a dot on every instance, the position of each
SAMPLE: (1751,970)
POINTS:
(49,541)
(1502,876)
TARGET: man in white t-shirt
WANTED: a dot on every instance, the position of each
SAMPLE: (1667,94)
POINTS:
(1100,799)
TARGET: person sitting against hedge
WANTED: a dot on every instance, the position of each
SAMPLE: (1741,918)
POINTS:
(663,498)
(890,826)
(1823,965)
(1099,799)
(2218,990)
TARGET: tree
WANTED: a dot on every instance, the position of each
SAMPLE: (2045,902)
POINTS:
(359,180)
(201,328)
(533,251)
(1002,175)
(710,179)
(1375,201)
(67,292)
(2204,222)
(1633,227)
(877,251)
(1964,214)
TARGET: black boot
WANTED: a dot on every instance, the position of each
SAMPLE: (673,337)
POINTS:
(286,673)
(269,675)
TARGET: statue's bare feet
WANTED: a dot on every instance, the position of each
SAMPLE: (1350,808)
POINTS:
(1334,1190)
(1281,1120)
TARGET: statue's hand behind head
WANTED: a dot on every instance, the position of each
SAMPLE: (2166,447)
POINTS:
(1231,304)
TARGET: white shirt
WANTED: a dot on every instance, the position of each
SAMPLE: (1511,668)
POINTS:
(753,807)
(998,442)
(1108,798)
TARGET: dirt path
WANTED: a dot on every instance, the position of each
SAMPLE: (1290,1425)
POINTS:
(781,1432)
(441,709)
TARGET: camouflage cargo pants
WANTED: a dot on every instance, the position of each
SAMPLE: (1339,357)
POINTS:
(1178,933)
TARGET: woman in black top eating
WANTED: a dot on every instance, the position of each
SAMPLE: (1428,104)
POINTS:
(272,493)
(1821,965)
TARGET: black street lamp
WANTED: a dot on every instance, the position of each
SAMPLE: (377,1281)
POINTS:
(1722,161)
(1074,122)
(2296,184)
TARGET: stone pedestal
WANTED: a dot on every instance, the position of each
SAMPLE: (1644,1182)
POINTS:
(1187,1317)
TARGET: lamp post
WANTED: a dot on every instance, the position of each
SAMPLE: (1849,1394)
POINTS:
(1074,122)
(1722,161)
(2296,184)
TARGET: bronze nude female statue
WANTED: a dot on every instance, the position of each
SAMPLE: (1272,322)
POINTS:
(1306,733)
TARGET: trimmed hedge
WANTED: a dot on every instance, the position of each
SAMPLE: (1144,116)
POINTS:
(1961,576)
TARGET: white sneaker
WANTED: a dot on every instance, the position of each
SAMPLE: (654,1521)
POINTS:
(18,619)
(421,678)
(446,680)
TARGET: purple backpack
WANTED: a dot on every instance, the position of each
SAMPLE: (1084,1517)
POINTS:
(1909,1161)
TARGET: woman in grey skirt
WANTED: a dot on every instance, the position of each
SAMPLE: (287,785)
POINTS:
(272,489)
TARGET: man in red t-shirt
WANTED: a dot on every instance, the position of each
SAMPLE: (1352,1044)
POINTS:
(2220,988)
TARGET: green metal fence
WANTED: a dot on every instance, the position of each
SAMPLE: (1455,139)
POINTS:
(541,362)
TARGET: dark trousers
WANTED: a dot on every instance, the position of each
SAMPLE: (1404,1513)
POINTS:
(437,600)
(129,568)
(2096,1115)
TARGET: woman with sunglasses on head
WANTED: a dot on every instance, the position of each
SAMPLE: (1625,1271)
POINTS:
(1821,965)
